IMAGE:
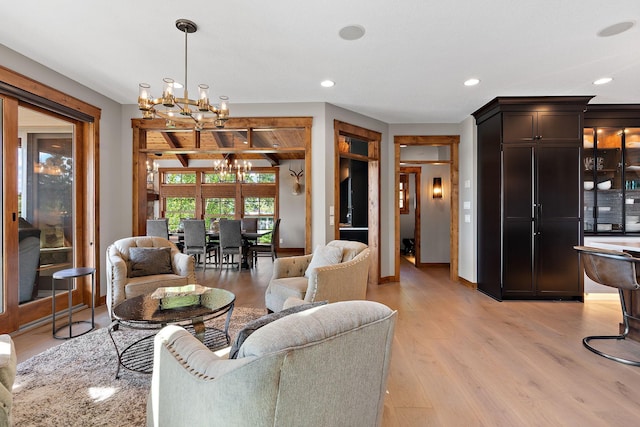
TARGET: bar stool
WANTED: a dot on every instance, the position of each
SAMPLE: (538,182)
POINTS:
(617,270)
(70,274)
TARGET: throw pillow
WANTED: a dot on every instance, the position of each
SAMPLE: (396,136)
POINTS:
(324,255)
(254,325)
(148,261)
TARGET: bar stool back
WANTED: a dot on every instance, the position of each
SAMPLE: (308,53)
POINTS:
(617,270)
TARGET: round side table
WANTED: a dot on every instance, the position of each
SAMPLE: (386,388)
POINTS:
(69,274)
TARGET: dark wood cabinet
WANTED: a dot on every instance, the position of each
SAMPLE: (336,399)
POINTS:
(530,197)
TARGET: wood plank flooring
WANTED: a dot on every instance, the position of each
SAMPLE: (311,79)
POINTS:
(462,359)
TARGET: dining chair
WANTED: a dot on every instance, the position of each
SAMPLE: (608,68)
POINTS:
(266,249)
(617,270)
(230,241)
(249,224)
(160,228)
(195,242)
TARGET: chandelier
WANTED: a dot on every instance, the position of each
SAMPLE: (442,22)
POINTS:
(183,110)
(225,167)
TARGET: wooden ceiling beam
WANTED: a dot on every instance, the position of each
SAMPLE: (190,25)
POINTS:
(173,143)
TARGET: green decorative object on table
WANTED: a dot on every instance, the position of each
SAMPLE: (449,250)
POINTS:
(179,296)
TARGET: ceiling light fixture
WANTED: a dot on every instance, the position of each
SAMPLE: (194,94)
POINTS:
(224,167)
(615,29)
(352,32)
(327,83)
(603,81)
(471,82)
(181,110)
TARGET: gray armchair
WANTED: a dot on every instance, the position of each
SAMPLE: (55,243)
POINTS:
(326,366)
(122,283)
(28,259)
(344,281)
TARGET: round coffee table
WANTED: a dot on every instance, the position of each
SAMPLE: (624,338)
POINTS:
(144,312)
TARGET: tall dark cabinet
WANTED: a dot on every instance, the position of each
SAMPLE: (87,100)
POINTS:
(530,197)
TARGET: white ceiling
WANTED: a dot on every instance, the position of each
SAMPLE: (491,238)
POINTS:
(408,68)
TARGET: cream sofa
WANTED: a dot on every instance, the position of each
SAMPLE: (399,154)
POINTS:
(121,286)
(326,366)
(7,377)
(339,282)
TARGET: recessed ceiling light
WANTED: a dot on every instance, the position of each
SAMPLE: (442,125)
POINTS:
(615,29)
(327,83)
(403,145)
(352,32)
(602,81)
(471,82)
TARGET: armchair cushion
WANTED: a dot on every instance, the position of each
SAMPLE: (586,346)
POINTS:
(149,261)
(324,255)
(254,325)
(7,378)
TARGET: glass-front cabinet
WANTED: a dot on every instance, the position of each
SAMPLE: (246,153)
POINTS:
(611,175)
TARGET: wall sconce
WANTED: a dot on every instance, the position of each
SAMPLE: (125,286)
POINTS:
(437,188)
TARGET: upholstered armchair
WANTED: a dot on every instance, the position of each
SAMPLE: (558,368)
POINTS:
(140,265)
(326,366)
(337,272)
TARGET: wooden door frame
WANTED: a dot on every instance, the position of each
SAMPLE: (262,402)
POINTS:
(417,171)
(373,187)
(453,142)
(20,90)
(139,155)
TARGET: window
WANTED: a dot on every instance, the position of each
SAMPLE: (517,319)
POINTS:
(219,207)
(178,208)
(200,193)
(216,178)
(179,178)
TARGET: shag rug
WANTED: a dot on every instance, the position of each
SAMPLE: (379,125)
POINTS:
(74,384)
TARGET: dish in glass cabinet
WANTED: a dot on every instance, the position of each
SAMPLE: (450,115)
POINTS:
(633,168)
(604,208)
(604,227)
(588,185)
(604,185)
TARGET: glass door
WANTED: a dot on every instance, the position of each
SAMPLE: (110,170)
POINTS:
(45,190)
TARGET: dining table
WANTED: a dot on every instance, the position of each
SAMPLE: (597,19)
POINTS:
(248,237)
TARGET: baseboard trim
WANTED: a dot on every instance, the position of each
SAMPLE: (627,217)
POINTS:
(467,283)
(602,296)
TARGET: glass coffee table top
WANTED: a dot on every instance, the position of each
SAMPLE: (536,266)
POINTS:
(145,309)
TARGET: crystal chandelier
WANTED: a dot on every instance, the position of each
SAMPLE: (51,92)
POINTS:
(225,167)
(183,110)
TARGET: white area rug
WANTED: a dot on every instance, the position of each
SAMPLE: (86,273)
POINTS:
(74,384)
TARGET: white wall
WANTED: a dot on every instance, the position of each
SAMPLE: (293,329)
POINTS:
(467,241)
(292,207)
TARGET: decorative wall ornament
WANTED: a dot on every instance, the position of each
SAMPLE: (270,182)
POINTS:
(297,187)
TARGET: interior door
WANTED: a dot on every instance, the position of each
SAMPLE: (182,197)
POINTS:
(559,220)
(518,278)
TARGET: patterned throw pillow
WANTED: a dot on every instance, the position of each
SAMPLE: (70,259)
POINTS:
(254,325)
(149,261)
(324,255)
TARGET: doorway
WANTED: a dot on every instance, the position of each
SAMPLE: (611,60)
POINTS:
(449,144)
(357,183)
(410,191)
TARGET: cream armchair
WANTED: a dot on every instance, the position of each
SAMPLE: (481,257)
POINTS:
(7,377)
(177,269)
(344,281)
(326,366)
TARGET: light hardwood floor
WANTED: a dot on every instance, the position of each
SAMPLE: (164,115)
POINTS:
(462,359)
